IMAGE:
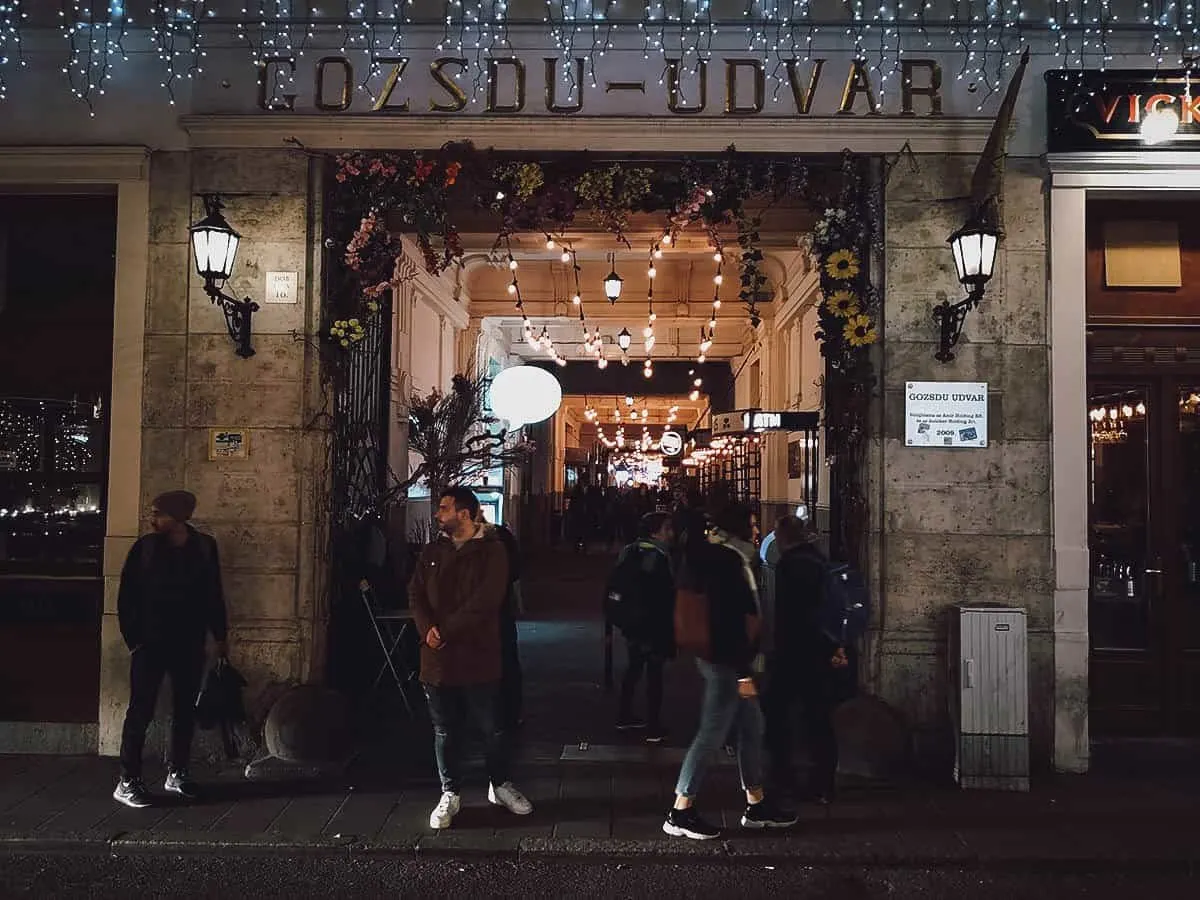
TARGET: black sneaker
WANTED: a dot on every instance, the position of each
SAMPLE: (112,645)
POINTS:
(625,723)
(687,823)
(179,783)
(132,792)
(767,815)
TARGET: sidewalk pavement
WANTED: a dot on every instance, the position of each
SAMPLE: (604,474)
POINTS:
(607,810)
(597,794)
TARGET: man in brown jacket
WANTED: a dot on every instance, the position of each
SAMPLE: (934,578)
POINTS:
(456,595)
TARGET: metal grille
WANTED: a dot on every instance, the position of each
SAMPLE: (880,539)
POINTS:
(359,462)
(361,407)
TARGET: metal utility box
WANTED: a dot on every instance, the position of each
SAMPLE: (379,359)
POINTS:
(989,696)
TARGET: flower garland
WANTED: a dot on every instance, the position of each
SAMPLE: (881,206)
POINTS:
(848,314)
(377,195)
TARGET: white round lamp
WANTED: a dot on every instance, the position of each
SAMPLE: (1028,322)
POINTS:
(525,395)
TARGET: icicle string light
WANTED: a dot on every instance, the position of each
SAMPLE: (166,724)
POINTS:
(986,36)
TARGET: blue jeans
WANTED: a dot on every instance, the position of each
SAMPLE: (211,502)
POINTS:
(722,711)
(453,711)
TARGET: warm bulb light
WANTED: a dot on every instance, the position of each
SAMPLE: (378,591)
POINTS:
(1159,126)
(512,288)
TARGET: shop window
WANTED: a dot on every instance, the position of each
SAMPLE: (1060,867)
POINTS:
(55,376)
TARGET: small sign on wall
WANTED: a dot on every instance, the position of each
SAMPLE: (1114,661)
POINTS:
(282,287)
(228,443)
(945,414)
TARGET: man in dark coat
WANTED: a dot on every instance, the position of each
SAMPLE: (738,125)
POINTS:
(805,665)
(170,599)
(643,574)
(456,593)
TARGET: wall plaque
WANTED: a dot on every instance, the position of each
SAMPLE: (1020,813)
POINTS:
(281,287)
(949,414)
(228,443)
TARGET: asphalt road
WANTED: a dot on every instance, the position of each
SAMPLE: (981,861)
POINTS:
(143,876)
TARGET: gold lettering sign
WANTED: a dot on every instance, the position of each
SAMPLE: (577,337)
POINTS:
(334,83)
(493,69)
(552,104)
(673,98)
(732,108)
(398,65)
(438,70)
(347,71)
(266,74)
(803,96)
(908,90)
(857,83)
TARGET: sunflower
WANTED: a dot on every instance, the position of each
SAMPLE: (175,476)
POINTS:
(842,303)
(842,265)
(860,332)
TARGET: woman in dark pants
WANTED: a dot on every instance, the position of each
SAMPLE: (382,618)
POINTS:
(805,667)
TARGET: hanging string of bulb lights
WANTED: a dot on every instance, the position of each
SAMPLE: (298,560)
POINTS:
(708,332)
(656,254)
(987,37)
(543,340)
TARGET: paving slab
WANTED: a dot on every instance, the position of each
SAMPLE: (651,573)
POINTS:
(361,817)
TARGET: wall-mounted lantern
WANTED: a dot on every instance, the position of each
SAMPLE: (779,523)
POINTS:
(215,246)
(974,248)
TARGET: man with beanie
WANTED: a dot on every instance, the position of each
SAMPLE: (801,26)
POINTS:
(169,601)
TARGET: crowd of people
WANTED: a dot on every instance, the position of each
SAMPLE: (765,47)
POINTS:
(608,516)
(692,581)
(765,652)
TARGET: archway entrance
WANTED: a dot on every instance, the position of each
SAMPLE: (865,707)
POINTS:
(648,276)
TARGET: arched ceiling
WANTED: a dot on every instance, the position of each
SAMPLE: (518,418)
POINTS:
(684,287)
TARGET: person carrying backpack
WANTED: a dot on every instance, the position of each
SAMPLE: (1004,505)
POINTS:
(814,659)
(717,584)
(640,602)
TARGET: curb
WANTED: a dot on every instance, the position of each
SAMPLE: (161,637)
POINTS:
(780,852)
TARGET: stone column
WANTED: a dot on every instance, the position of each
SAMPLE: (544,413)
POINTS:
(267,511)
(136,260)
(1068,374)
(965,524)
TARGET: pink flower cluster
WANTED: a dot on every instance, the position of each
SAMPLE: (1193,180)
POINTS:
(366,229)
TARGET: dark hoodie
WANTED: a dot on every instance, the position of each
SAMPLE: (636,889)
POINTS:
(171,596)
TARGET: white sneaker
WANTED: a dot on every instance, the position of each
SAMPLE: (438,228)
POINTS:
(510,798)
(444,813)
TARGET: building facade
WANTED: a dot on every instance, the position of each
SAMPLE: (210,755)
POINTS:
(1006,523)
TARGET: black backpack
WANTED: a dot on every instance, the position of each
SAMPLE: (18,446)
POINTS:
(624,601)
(845,604)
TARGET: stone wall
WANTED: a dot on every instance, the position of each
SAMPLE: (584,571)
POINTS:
(963,524)
(266,511)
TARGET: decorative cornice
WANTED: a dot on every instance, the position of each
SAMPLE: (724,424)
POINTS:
(73,165)
(817,134)
(1141,170)
(437,291)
